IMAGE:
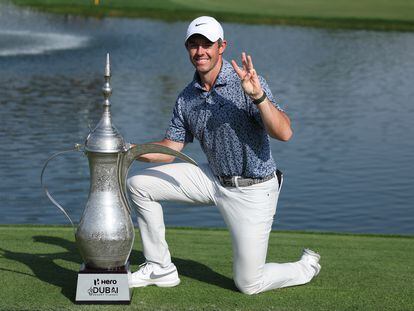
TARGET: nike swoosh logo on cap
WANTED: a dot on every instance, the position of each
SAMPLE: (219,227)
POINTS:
(200,24)
(156,276)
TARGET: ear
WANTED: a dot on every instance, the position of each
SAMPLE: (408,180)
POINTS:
(222,47)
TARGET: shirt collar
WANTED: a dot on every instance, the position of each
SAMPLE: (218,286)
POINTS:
(222,77)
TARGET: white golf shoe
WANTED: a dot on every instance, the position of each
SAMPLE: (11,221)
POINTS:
(151,273)
(311,258)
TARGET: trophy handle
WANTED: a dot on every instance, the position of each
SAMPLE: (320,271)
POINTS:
(77,147)
(126,159)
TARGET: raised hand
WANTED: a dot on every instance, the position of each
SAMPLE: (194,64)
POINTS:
(248,76)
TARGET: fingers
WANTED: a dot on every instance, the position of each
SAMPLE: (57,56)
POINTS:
(236,68)
(248,70)
(244,61)
(249,62)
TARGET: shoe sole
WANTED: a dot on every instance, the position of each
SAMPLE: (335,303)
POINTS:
(168,284)
(312,253)
(317,256)
(318,270)
(159,284)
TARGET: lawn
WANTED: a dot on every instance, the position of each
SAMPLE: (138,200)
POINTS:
(366,14)
(39,264)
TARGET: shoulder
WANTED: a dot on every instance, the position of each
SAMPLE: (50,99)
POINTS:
(264,85)
(187,92)
(228,72)
(228,80)
(262,80)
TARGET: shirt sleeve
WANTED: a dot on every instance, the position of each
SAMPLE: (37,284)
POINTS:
(177,129)
(254,111)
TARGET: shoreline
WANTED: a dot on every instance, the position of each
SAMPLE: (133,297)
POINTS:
(295,16)
(223,229)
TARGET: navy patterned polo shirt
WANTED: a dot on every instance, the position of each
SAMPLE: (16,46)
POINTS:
(226,123)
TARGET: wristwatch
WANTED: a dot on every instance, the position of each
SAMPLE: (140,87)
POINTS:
(259,100)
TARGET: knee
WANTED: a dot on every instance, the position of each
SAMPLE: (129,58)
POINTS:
(246,287)
(135,187)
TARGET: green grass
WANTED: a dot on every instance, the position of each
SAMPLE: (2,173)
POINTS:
(38,268)
(365,14)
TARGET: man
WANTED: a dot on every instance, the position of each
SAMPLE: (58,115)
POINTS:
(231,111)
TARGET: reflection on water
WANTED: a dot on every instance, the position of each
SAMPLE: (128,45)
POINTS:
(348,168)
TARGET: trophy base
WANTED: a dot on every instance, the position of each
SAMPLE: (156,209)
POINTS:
(101,286)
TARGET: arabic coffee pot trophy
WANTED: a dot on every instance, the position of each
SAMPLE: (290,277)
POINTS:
(105,233)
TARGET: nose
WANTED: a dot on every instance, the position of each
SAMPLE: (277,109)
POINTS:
(200,50)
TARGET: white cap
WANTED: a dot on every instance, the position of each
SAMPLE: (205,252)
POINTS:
(207,26)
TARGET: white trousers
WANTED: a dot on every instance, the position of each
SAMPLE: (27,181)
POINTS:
(247,211)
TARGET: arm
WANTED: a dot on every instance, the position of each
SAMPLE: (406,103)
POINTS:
(276,122)
(159,157)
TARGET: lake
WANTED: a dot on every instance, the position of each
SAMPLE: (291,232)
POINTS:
(348,168)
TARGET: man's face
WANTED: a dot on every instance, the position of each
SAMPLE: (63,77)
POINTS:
(204,54)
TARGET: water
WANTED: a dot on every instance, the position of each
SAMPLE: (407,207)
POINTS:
(348,167)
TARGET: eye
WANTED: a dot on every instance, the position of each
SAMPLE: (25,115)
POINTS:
(207,45)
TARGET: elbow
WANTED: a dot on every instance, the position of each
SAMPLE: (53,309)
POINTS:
(288,135)
(170,159)
(283,136)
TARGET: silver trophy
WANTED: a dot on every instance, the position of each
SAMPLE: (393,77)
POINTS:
(105,233)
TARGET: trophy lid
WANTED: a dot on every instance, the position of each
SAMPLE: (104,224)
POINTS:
(105,137)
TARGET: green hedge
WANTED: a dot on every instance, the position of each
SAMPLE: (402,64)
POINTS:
(362,14)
